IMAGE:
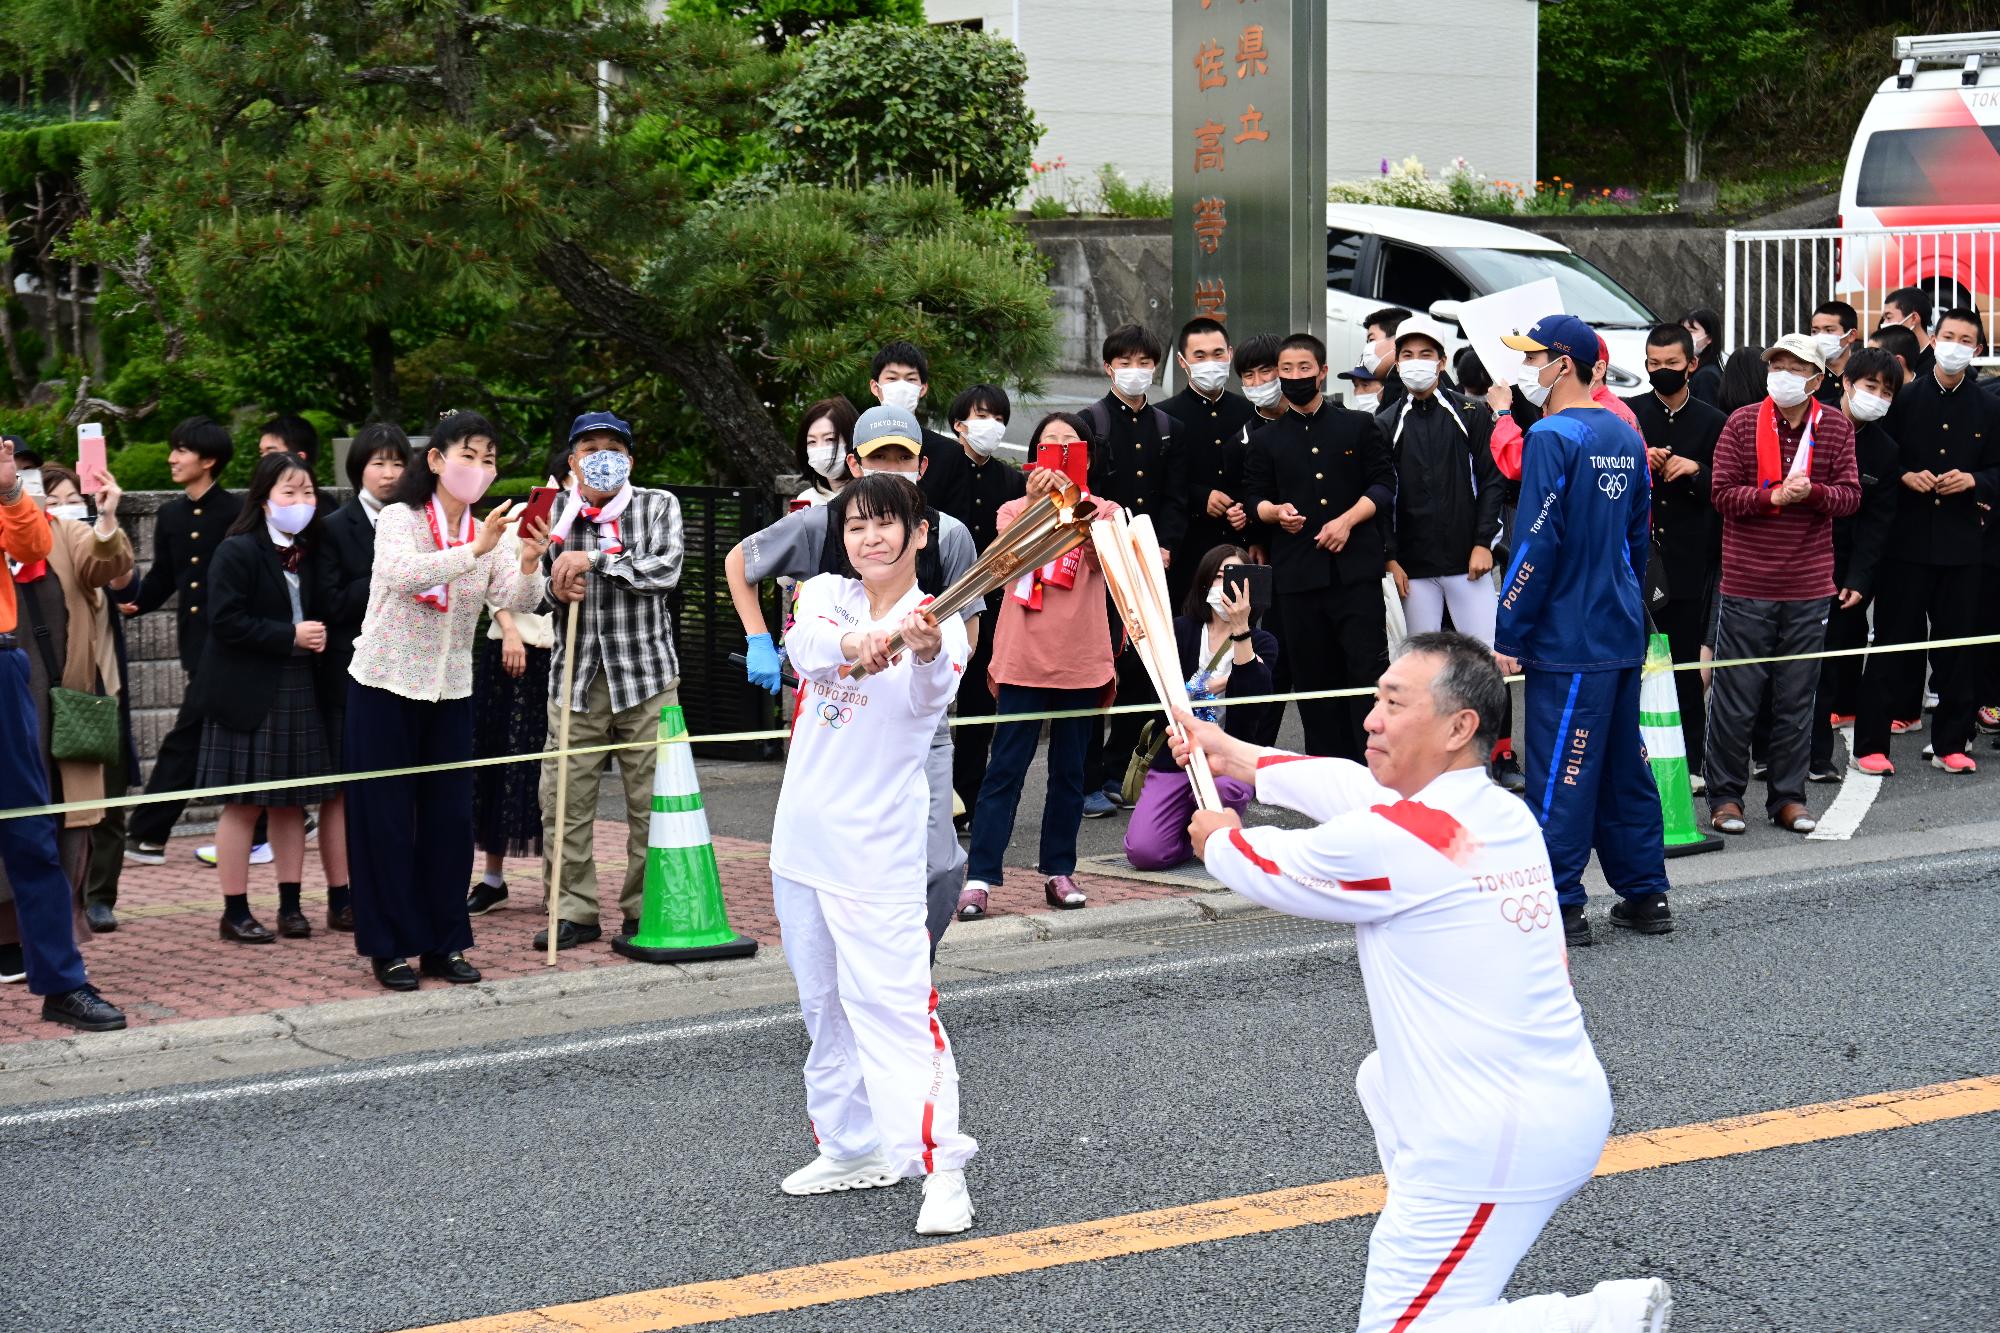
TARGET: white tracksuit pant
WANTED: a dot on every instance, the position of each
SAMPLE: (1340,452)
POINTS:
(1439,1265)
(880,1073)
(1474,603)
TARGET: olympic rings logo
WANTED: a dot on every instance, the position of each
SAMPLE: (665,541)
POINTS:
(1529,911)
(835,716)
(1611,483)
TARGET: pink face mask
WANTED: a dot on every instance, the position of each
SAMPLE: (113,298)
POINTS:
(465,482)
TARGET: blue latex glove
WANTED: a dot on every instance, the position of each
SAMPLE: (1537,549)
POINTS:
(762,665)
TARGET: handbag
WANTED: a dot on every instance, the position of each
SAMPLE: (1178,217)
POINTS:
(82,727)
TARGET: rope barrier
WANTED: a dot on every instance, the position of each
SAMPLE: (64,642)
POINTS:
(782,733)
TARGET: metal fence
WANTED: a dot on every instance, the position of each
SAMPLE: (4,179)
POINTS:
(1773,279)
(713,691)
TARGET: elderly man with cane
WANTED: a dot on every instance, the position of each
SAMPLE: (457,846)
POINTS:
(1487,1101)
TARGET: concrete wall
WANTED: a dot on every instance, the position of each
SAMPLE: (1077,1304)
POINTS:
(1672,269)
(1452,78)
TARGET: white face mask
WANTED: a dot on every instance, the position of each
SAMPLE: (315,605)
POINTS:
(1208,376)
(1952,358)
(1418,375)
(1263,395)
(1379,354)
(902,393)
(75,513)
(913,476)
(1787,388)
(827,460)
(1367,402)
(1864,405)
(1215,602)
(1830,346)
(290,519)
(1132,381)
(1700,341)
(1528,379)
(982,435)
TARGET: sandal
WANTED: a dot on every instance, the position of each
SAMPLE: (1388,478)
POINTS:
(971,904)
(1063,894)
(1728,818)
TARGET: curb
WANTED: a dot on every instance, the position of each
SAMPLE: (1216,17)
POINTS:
(966,940)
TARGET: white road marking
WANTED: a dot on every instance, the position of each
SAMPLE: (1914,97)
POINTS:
(484,1060)
(1850,806)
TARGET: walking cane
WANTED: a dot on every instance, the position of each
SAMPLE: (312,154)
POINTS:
(562,778)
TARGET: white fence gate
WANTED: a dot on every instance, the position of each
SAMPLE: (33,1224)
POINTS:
(1771,280)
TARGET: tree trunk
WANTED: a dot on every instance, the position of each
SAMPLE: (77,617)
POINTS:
(15,370)
(1691,157)
(756,453)
(385,400)
(76,314)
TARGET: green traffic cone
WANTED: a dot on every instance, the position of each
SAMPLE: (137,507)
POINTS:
(1666,749)
(682,918)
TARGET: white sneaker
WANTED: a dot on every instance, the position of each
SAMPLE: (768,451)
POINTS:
(260,855)
(947,1206)
(830,1175)
(1633,1305)
(1697,784)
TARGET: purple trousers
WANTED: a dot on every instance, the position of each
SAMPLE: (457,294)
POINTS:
(1157,837)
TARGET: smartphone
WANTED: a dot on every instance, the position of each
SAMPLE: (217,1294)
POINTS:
(91,471)
(1255,577)
(1073,460)
(541,503)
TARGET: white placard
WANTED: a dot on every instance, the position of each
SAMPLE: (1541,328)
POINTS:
(1486,318)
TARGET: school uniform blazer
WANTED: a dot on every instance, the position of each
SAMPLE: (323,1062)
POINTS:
(250,632)
(347,548)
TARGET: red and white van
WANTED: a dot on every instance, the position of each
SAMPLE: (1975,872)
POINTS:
(1926,165)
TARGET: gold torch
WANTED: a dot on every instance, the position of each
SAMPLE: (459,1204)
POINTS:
(1046,530)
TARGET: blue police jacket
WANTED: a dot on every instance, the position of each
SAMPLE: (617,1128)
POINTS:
(1574,596)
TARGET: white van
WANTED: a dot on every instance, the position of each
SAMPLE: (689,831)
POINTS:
(1380,256)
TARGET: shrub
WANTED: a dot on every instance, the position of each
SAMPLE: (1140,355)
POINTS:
(876,101)
(141,467)
(1122,199)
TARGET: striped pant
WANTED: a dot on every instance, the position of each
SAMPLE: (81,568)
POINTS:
(880,1073)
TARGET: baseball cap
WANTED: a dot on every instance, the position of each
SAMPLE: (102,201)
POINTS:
(1800,346)
(1359,373)
(883,425)
(1562,335)
(1423,326)
(594,421)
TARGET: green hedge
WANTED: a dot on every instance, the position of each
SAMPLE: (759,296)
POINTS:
(48,150)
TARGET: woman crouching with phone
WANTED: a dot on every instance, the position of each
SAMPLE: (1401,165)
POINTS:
(847,863)
(1221,658)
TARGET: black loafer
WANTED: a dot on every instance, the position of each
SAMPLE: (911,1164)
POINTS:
(450,967)
(1576,926)
(1648,914)
(340,918)
(293,925)
(101,918)
(569,934)
(247,931)
(83,1009)
(483,898)
(628,928)
(395,974)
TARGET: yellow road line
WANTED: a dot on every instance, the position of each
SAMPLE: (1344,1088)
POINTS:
(1194,1224)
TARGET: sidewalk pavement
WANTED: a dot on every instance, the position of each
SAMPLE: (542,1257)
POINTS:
(167,964)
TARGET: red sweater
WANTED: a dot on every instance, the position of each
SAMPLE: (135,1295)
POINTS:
(1782,553)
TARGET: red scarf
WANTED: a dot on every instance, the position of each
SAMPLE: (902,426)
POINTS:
(1058,573)
(439,597)
(1770,465)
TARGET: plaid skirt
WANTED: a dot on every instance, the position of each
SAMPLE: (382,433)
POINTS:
(291,744)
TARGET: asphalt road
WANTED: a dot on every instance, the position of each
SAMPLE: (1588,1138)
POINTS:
(1216,1061)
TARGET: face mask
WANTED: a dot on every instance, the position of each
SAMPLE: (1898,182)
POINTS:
(1132,381)
(982,435)
(1380,354)
(1700,341)
(31,481)
(1528,379)
(1208,376)
(827,460)
(902,393)
(1952,358)
(465,482)
(606,470)
(913,476)
(1263,395)
(1830,346)
(1864,405)
(1667,383)
(292,519)
(1418,376)
(1367,402)
(1301,390)
(1215,602)
(1787,388)
(74,513)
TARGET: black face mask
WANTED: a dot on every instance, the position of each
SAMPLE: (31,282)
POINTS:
(1300,391)
(1667,383)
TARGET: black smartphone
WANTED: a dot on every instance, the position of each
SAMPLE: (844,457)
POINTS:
(1256,577)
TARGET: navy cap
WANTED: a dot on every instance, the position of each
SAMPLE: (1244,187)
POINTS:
(1559,335)
(593,421)
(1359,373)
